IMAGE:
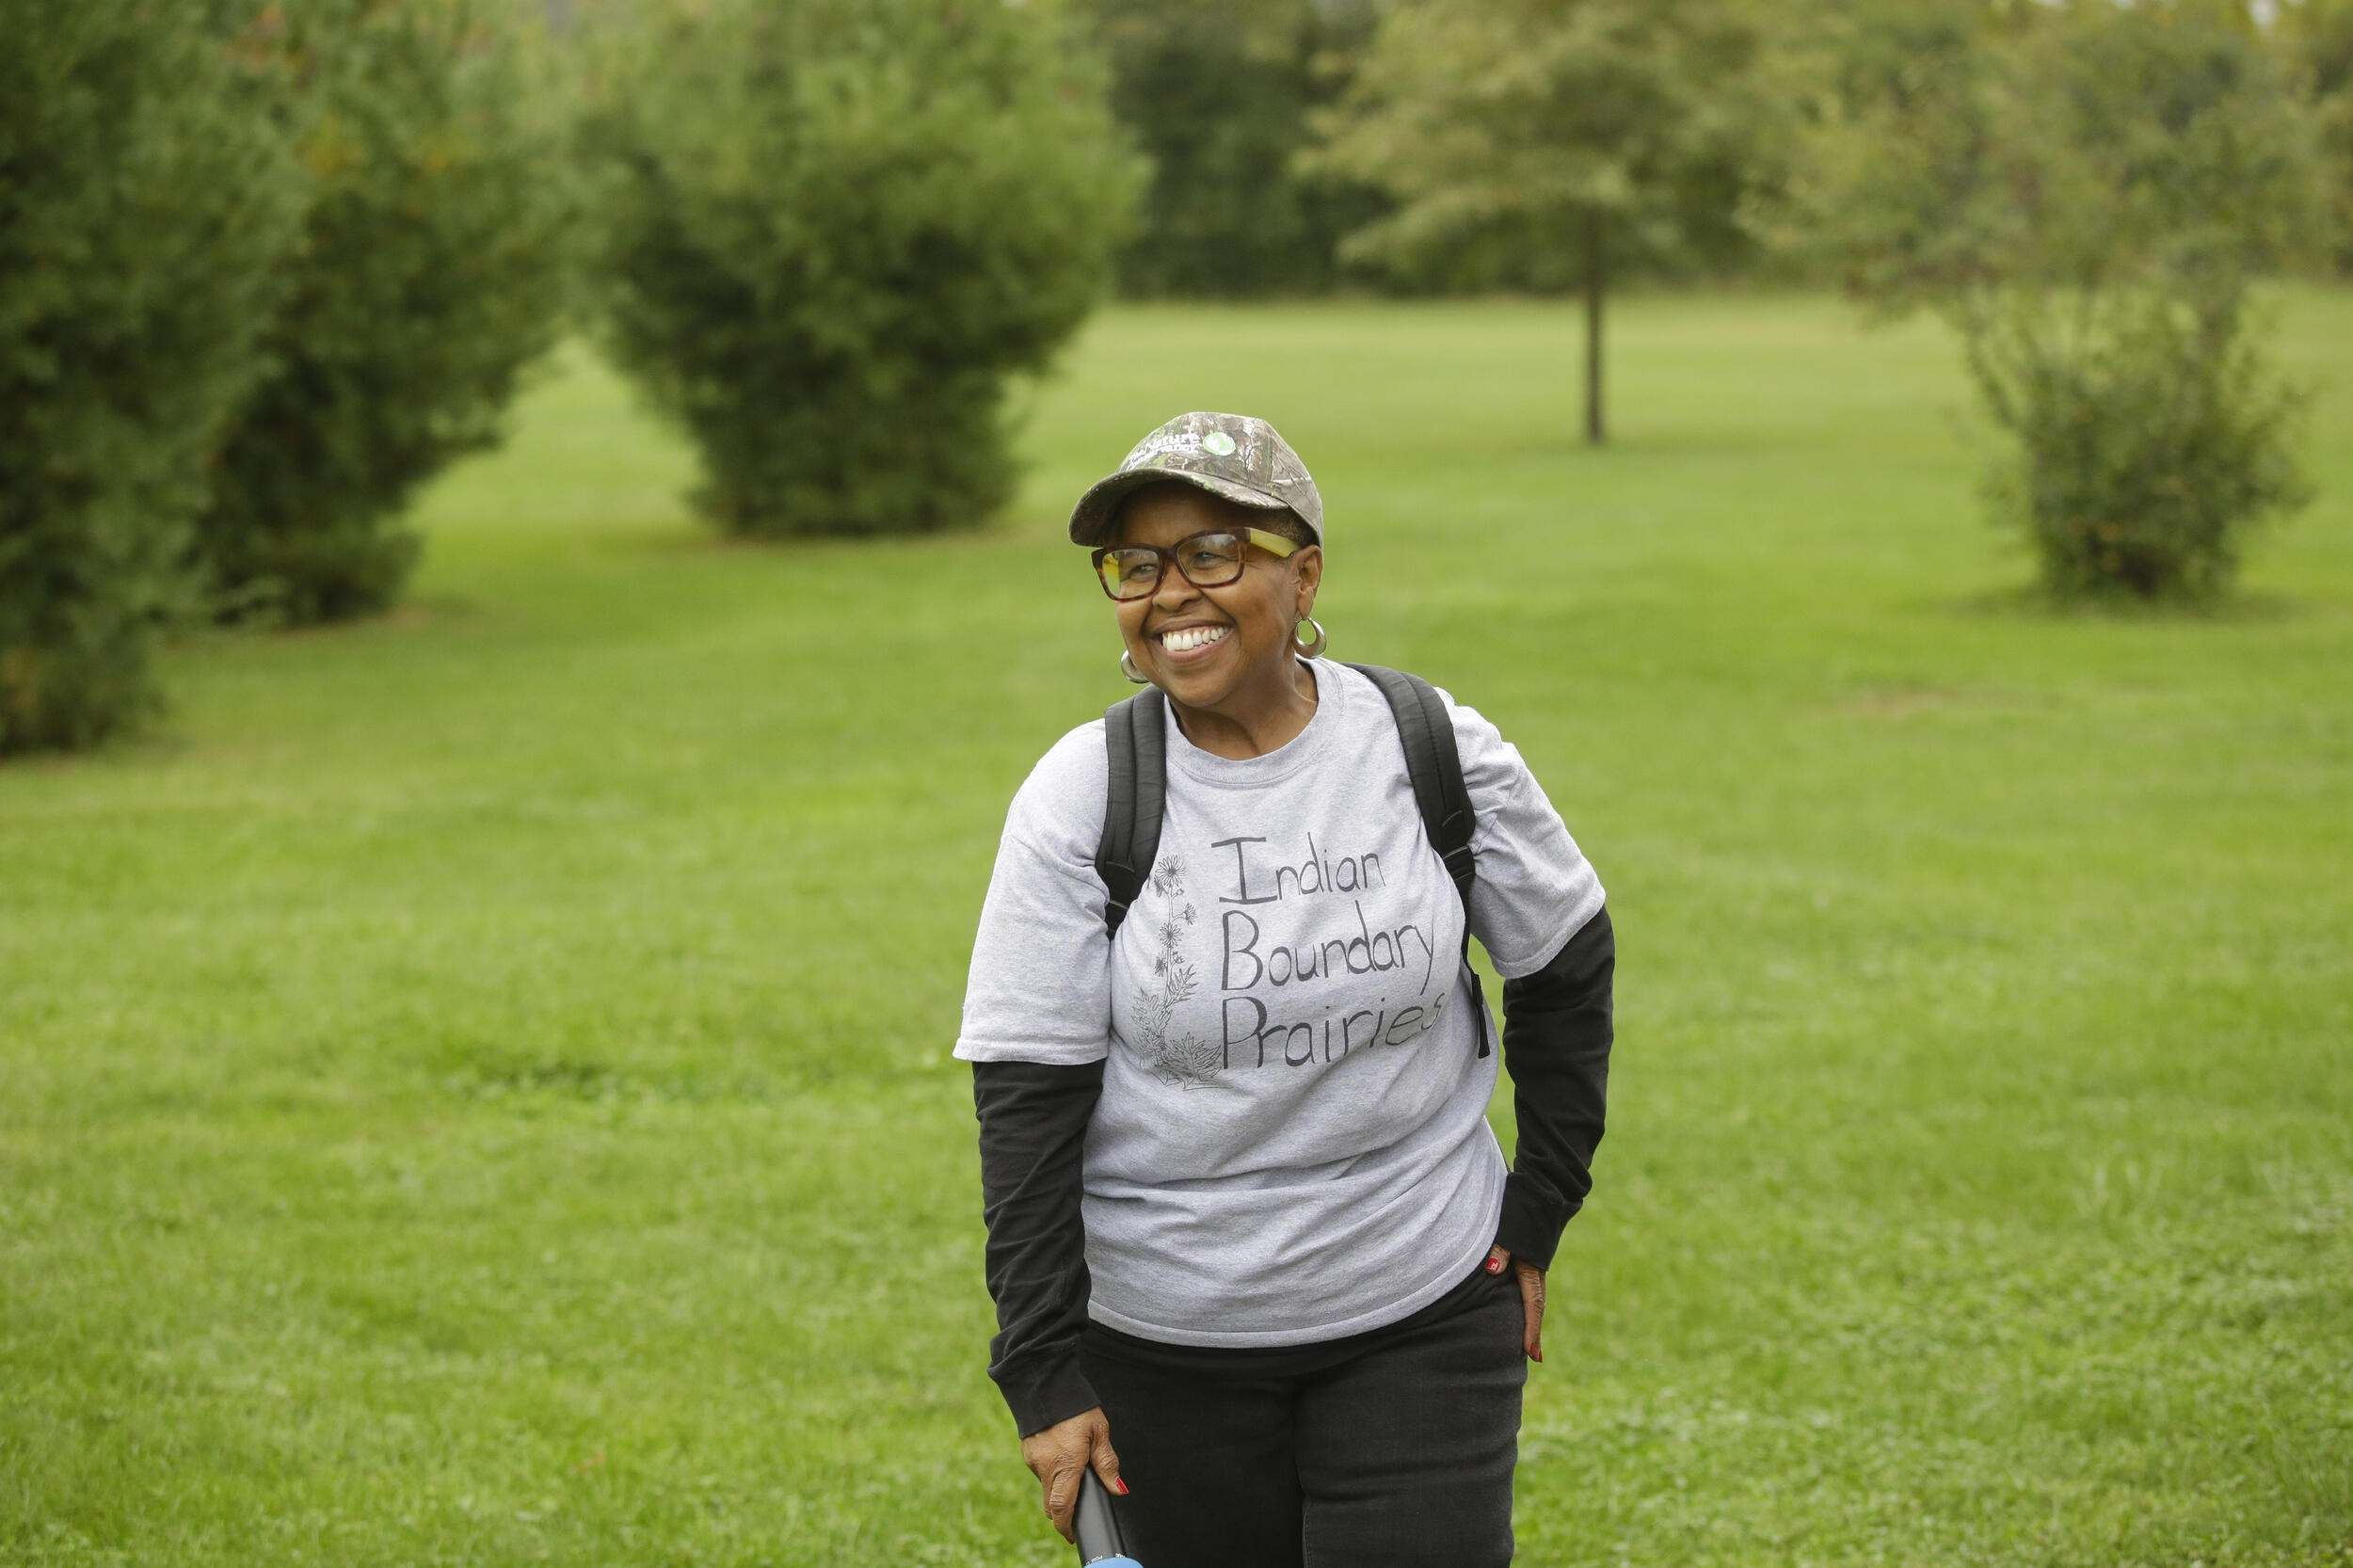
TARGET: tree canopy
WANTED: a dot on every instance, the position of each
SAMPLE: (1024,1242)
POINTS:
(2087,195)
(1552,146)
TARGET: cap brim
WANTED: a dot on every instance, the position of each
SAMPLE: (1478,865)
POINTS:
(1093,515)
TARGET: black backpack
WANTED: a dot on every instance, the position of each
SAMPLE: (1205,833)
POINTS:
(1136,738)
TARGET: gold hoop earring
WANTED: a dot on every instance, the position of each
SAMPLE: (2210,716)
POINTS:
(1127,668)
(1308,649)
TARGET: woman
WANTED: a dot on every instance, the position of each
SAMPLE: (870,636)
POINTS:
(1246,1218)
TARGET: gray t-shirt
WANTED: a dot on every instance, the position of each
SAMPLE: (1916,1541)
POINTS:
(1291,1143)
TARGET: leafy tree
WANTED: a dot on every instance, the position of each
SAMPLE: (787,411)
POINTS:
(830,231)
(2087,197)
(1556,145)
(144,198)
(428,275)
(1217,94)
(2318,35)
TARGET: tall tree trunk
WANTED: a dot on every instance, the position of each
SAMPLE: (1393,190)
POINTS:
(1596,283)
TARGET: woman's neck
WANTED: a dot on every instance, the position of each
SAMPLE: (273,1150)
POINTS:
(1256,719)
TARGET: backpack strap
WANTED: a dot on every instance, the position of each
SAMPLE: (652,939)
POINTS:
(1435,766)
(1135,740)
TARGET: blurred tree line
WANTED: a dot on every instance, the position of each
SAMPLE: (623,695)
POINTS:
(268,266)
(1571,146)
(1234,104)
(2315,36)
(1218,97)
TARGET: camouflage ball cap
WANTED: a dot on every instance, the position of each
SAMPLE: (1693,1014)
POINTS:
(1234,456)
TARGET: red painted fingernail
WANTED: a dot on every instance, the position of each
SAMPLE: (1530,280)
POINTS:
(1120,1484)
(1495,1265)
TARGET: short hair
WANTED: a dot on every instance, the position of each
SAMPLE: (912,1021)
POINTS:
(1285,522)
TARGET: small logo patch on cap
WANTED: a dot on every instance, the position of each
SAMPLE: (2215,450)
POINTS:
(1219,442)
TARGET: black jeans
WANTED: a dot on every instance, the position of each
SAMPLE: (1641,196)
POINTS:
(1389,1448)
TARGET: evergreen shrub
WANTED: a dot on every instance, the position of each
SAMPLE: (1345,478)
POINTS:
(830,231)
(144,197)
(431,272)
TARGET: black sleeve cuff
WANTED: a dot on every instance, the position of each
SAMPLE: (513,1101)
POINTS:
(1533,1218)
(1046,1391)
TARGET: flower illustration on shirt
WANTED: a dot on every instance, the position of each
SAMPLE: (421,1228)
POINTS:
(1182,1061)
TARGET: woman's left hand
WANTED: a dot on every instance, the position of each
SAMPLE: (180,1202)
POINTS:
(1531,1298)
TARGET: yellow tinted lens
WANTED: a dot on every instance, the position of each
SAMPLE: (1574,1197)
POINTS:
(1131,573)
(1212,557)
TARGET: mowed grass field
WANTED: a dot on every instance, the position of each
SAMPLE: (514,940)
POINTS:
(475,1085)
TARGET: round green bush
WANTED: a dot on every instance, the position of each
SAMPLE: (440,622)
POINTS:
(143,199)
(428,275)
(829,232)
(2147,455)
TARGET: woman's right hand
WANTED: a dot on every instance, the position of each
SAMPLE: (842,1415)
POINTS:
(1061,1453)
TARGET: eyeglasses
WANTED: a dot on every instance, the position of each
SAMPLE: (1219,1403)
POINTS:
(1208,560)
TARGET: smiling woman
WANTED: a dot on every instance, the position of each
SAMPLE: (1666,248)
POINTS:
(1243,1205)
(1212,632)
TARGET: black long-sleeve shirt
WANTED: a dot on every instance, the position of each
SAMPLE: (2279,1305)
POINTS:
(1557,1033)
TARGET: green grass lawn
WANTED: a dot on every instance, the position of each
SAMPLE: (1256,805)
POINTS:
(475,1085)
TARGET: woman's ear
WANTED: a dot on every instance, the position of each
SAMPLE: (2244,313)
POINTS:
(1308,561)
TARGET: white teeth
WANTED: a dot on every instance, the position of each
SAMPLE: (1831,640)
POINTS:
(1191,637)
